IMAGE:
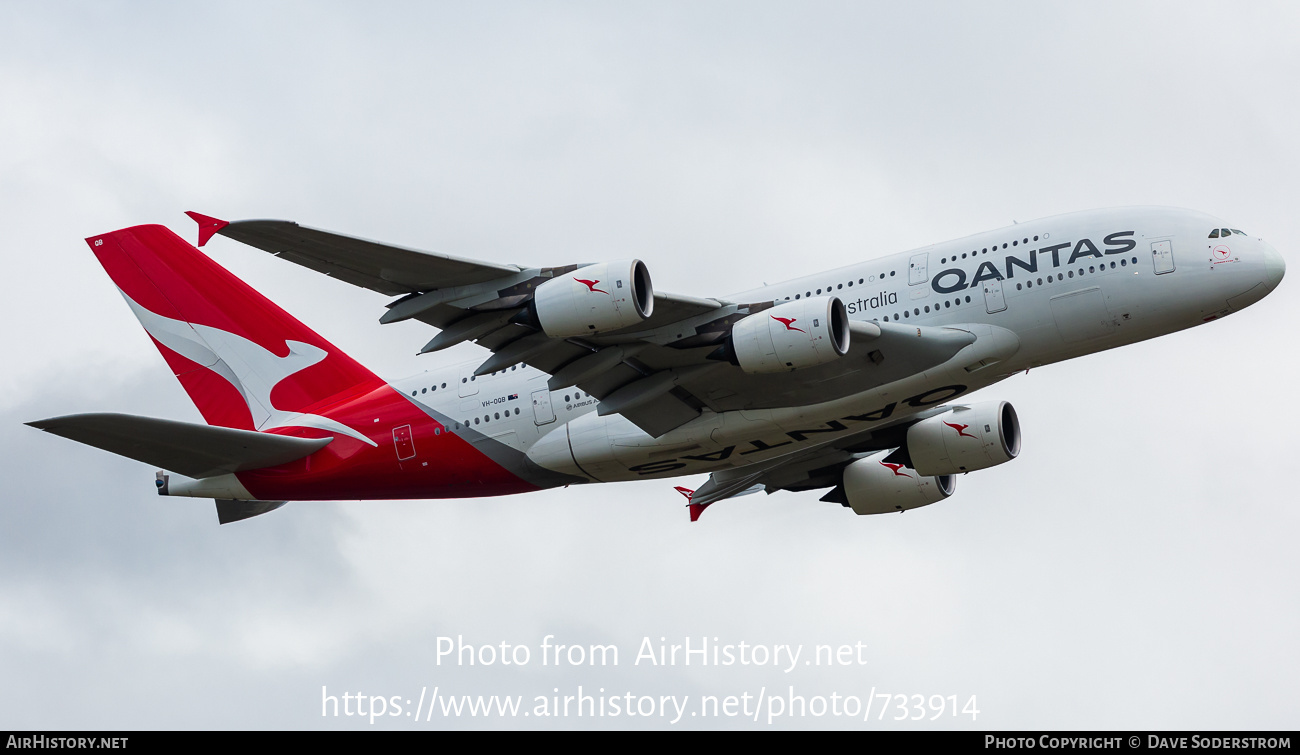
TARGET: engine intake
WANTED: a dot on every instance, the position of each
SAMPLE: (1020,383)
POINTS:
(594,299)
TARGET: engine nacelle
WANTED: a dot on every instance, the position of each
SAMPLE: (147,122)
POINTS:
(790,336)
(875,487)
(595,299)
(964,439)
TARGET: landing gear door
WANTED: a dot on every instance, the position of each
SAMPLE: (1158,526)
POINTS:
(994,300)
(1162,254)
(918,269)
(542,412)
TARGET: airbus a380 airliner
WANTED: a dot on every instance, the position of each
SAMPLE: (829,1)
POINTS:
(852,380)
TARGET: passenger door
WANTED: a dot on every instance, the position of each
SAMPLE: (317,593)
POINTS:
(1162,256)
(403,442)
(918,269)
(542,412)
(994,299)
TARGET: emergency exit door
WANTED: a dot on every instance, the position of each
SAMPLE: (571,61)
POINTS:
(994,299)
(542,411)
(1162,256)
(918,269)
(403,442)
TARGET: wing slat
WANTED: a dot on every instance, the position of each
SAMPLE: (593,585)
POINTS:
(386,268)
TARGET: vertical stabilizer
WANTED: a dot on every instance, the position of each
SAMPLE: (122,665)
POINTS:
(245,362)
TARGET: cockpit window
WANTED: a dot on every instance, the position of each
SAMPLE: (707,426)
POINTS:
(1239,233)
(1214,234)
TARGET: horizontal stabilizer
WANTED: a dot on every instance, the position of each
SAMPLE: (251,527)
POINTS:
(196,451)
(232,511)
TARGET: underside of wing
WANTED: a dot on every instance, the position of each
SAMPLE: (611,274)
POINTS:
(809,469)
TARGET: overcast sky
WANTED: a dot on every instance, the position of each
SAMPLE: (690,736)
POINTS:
(1135,568)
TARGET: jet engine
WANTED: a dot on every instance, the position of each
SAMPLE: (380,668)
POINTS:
(594,299)
(964,439)
(873,486)
(790,336)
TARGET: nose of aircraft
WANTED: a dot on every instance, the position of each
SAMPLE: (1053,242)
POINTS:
(1274,265)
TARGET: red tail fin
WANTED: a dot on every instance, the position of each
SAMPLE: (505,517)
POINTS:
(245,362)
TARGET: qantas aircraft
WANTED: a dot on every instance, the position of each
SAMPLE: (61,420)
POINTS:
(853,381)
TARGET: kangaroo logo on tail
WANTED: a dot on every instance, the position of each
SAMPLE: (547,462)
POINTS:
(247,366)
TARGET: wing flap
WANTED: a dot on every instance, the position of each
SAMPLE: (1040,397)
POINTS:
(668,309)
(898,352)
(661,415)
(714,489)
(193,450)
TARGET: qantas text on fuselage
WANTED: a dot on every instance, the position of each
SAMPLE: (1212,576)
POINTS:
(953,279)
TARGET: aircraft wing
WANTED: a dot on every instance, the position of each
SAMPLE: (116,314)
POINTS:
(810,468)
(659,373)
(388,269)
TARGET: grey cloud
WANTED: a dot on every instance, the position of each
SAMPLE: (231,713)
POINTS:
(1132,569)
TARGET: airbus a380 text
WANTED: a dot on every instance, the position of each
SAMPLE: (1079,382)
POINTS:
(852,381)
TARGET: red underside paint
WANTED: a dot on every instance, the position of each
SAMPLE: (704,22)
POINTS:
(444,465)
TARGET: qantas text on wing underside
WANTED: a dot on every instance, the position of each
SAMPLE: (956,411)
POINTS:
(852,381)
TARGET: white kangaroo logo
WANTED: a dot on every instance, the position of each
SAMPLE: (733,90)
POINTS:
(251,369)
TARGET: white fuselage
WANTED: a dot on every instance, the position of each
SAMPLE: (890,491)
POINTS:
(1032,293)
